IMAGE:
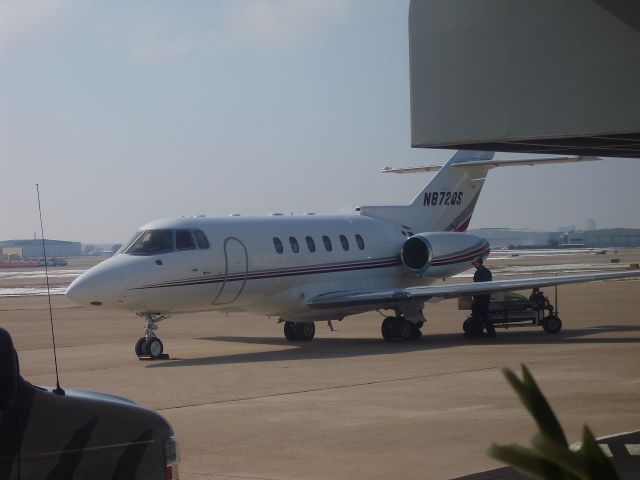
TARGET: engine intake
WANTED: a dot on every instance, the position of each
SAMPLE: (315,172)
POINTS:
(441,253)
(416,254)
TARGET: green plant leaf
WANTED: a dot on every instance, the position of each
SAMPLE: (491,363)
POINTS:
(526,461)
(571,462)
(533,399)
(597,463)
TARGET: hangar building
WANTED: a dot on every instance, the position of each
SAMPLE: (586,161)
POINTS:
(33,248)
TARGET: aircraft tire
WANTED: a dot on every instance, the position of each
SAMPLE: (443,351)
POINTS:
(305,331)
(388,328)
(407,330)
(290,332)
(139,348)
(552,324)
(154,348)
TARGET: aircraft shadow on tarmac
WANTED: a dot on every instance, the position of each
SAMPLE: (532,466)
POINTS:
(324,348)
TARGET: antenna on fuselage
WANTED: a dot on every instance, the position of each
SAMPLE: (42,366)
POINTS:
(57,390)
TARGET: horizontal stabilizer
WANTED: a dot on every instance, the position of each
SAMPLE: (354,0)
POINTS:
(432,168)
(493,163)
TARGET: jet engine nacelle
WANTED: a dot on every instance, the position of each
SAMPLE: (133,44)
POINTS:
(426,254)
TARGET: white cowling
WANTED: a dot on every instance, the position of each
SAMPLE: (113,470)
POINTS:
(425,251)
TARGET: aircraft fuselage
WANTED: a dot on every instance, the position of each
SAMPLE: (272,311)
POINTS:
(269,265)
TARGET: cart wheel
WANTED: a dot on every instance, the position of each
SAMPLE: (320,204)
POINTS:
(466,326)
(551,324)
(474,326)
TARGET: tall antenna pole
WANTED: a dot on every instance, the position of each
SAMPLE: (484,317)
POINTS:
(58,390)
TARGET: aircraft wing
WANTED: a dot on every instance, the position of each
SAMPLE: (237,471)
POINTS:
(493,163)
(395,297)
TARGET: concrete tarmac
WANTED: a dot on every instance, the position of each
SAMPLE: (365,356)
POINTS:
(245,403)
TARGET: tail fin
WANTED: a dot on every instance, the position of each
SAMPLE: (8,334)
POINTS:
(447,202)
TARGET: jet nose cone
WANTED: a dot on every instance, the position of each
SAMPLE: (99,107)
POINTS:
(80,291)
(96,287)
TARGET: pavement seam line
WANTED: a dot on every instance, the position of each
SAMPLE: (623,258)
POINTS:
(222,475)
(320,389)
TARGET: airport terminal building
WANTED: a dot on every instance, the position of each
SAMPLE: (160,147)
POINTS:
(602,238)
(612,237)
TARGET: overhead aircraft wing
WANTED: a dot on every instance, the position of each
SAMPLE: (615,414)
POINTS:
(396,297)
(493,163)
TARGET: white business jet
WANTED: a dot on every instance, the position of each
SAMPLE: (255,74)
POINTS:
(307,268)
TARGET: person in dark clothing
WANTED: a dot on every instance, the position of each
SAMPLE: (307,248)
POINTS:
(480,305)
(540,303)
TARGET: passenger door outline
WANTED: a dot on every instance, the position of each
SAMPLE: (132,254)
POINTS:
(236,259)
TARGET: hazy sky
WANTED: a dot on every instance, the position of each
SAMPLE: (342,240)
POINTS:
(125,112)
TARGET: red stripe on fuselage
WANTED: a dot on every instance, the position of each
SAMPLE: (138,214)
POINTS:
(475,252)
(463,226)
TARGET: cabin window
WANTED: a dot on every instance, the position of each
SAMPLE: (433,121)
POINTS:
(344,242)
(294,244)
(201,239)
(278,244)
(184,240)
(327,243)
(359,241)
(311,244)
(152,242)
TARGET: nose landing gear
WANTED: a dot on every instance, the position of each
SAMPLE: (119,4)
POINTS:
(150,346)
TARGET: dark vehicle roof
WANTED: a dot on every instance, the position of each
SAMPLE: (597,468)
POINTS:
(8,370)
(509,297)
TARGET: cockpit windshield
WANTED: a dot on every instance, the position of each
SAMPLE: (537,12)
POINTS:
(125,246)
(152,242)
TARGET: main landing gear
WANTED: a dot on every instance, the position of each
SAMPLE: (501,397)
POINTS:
(299,331)
(405,325)
(150,346)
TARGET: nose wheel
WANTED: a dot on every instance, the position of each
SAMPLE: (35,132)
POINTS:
(150,347)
